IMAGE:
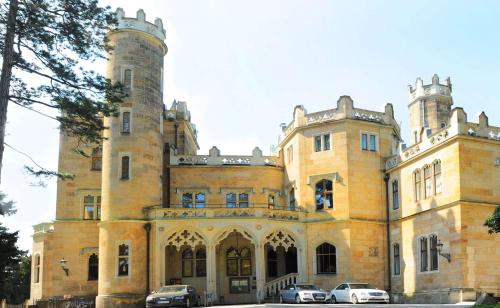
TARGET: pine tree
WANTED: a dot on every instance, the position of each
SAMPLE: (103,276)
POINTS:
(493,221)
(54,41)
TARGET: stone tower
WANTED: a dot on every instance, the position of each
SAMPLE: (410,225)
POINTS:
(429,106)
(132,159)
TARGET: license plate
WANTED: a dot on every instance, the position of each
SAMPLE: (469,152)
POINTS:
(320,297)
(163,302)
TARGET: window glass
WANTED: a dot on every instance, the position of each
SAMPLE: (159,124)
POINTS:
(395,195)
(326,260)
(126,122)
(239,285)
(423,254)
(201,264)
(326,142)
(187,200)
(364,141)
(317,143)
(417,184)
(373,143)
(127,79)
(324,195)
(243,198)
(123,261)
(427,182)
(37,269)
(397,262)
(96,159)
(200,200)
(292,199)
(88,207)
(93,267)
(187,263)
(98,208)
(433,252)
(230,200)
(125,167)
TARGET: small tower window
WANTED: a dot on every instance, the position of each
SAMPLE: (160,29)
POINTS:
(125,168)
(395,195)
(127,79)
(88,207)
(36,278)
(123,259)
(126,122)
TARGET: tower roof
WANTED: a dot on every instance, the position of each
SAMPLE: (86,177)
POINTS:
(139,23)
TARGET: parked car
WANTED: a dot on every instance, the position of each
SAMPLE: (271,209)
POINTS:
(298,293)
(174,295)
(357,293)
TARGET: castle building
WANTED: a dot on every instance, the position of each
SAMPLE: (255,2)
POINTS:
(342,199)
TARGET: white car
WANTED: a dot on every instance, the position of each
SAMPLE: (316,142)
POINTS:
(302,293)
(357,293)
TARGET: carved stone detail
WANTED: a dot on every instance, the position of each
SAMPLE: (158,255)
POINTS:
(185,238)
(280,238)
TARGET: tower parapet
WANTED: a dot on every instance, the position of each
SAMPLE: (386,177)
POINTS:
(140,24)
(435,88)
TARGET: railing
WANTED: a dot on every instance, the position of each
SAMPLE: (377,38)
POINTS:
(273,287)
(43,227)
(218,211)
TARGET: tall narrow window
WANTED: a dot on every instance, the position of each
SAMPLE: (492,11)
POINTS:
(201,262)
(98,208)
(373,143)
(433,252)
(125,167)
(397,261)
(123,259)
(427,181)
(326,142)
(317,143)
(238,263)
(364,142)
(187,263)
(324,195)
(245,262)
(243,200)
(126,122)
(88,207)
(36,275)
(326,259)
(231,200)
(395,195)
(127,79)
(270,201)
(93,267)
(292,203)
(437,177)
(424,255)
(200,201)
(187,200)
(417,182)
(96,160)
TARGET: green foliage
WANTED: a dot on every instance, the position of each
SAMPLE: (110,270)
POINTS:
(55,43)
(493,221)
(10,257)
(6,207)
(17,281)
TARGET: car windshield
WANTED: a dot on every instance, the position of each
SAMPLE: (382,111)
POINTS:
(167,289)
(306,287)
(360,286)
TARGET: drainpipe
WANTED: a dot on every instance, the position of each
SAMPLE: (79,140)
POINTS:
(388,231)
(147,227)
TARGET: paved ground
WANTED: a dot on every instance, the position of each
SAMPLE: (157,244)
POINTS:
(464,305)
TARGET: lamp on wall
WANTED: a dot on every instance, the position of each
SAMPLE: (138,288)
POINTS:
(439,247)
(64,266)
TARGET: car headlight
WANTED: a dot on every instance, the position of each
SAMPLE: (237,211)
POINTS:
(150,299)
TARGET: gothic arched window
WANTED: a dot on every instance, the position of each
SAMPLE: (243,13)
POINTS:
(326,259)
(187,263)
(201,262)
(324,195)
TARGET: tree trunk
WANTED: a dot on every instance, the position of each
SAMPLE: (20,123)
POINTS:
(8,53)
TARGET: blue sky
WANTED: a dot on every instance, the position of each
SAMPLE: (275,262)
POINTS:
(243,65)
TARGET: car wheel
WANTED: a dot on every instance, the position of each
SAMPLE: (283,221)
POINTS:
(333,300)
(297,299)
(188,303)
(354,299)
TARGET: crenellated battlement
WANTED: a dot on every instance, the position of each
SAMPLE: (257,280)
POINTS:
(140,24)
(435,88)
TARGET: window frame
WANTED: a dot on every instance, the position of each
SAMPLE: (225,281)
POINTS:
(395,194)
(92,265)
(122,77)
(289,154)
(188,260)
(238,201)
(127,257)
(292,202)
(96,156)
(238,260)
(430,269)
(322,142)
(437,175)
(37,266)
(246,291)
(88,204)
(366,143)
(396,259)
(120,165)
(123,129)
(319,270)
(428,185)
(417,185)
(324,193)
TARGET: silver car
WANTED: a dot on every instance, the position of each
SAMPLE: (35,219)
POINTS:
(357,293)
(302,293)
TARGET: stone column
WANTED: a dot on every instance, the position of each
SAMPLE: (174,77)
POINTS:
(260,270)
(211,271)
(301,265)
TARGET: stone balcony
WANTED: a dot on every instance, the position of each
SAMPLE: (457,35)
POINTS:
(220,211)
(44,227)
(215,159)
